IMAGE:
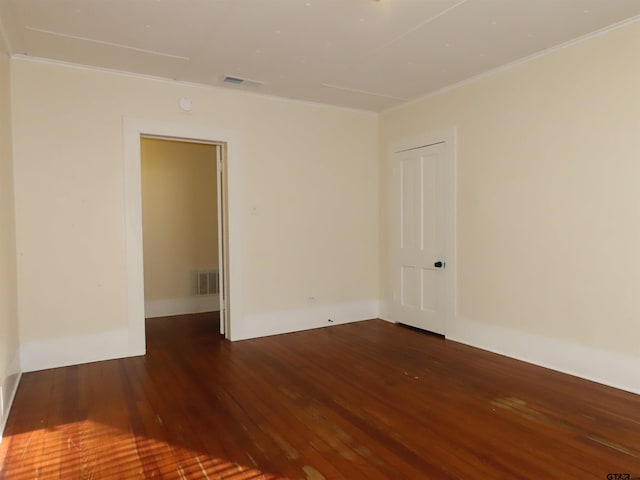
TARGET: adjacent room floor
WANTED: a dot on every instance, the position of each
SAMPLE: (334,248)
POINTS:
(368,400)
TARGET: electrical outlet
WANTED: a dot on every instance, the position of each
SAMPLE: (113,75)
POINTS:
(311,298)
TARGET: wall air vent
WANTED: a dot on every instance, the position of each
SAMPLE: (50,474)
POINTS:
(207,282)
(245,82)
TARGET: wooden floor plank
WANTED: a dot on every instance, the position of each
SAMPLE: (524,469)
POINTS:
(370,400)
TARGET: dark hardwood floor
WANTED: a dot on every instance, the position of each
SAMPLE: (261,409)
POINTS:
(369,400)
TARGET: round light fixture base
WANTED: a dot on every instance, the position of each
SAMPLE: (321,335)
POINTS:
(186,104)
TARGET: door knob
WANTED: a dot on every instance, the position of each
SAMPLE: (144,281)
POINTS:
(439,264)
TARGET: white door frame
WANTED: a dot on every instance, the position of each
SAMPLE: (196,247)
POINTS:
(449,138)
(133,129)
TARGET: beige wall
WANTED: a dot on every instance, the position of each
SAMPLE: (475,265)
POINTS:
(8,301)
(548,192)
(179,215)
(310,171)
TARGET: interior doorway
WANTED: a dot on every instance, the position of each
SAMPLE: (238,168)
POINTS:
(231,148)
(183,256)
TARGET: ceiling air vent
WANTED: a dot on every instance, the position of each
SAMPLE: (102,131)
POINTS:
(245,82)
(233,80)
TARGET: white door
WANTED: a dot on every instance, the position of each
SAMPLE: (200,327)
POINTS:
(418,237)
(221,239)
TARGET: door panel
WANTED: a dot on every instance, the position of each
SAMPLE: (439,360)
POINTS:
(430,289)
(419,237)
(409,190)
(409,292)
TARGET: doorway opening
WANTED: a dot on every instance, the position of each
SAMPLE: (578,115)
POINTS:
(230,146)
(182,189)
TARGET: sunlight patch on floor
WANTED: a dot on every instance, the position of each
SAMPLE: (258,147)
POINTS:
(46,453)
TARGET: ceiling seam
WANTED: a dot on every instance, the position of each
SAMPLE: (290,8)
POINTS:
(423,24)
(355,90)
(110,44)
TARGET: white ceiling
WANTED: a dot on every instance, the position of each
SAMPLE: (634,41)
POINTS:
(364,54)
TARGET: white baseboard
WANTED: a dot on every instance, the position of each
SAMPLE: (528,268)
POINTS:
(181,306)
(275,323)
(62,352)
(8,388)
(602,366)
